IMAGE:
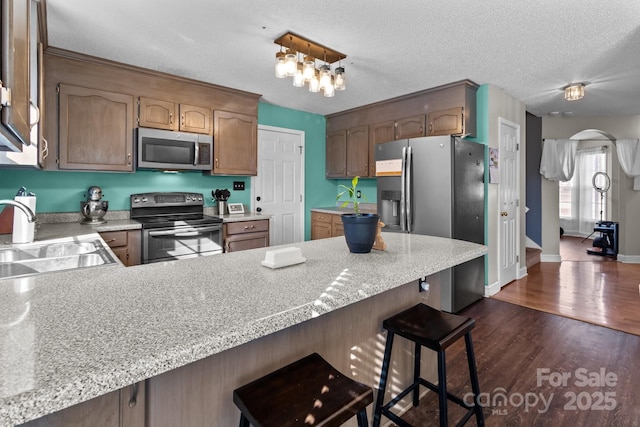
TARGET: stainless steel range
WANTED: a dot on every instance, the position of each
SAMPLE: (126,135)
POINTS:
(174,226)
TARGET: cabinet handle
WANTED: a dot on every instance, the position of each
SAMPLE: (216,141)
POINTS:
(182,120)
(133,399)
(110,240)
(170,118)
(129,159)
(430,127)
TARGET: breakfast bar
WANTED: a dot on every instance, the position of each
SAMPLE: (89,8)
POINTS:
(183,334)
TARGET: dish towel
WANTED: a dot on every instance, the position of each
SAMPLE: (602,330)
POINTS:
(629,156)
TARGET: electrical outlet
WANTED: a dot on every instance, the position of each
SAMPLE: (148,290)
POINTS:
(238,185)
(358,194)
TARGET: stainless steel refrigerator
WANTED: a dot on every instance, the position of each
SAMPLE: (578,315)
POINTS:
(435,186)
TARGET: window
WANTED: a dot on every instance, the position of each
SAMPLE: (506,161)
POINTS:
(580,205)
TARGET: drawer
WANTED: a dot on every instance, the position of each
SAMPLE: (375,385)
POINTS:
(115,238)
(321,217)
(247,226)
(337,220)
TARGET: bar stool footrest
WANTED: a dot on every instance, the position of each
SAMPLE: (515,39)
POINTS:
(386,409)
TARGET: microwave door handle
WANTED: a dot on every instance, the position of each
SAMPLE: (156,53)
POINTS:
(196,154)
(184,232)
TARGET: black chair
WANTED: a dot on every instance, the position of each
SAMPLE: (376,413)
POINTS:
(436,330)
(308,392)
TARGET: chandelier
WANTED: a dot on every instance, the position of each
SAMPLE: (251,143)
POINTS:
(309,63)
(574,92)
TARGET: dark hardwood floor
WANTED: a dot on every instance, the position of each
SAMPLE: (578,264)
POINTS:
(520,352)
(578,319)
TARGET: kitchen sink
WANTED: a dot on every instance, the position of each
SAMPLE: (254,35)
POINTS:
(54,255)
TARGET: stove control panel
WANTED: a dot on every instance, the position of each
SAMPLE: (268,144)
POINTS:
(166,199)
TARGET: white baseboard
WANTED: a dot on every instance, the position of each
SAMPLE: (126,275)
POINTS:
(531,244)
(629,259)
(550,258)
(492,289)
(522,272)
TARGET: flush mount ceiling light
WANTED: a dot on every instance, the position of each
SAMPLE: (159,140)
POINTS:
(309,62)
(574,92)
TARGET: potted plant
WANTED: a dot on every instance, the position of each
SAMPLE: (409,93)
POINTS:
(359,228)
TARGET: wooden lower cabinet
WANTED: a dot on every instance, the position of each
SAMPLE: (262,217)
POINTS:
(120,408)
(125,244)
(324,225)
(243,235)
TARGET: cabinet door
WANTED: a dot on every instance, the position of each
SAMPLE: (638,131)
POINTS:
(120,408)
(158,114)
(320,225)
(337,228)
(15,71)
(235,144)
(410,127)
(446,122)
(242,242)
(379,133)
(96,129)
(336,166)
(195,119)
(358,151)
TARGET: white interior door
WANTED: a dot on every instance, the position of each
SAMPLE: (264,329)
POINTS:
(508,164)
(278,189)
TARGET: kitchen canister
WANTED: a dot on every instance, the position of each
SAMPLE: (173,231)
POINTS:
(23,230)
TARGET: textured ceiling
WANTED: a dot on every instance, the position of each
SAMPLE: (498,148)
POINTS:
(531,50)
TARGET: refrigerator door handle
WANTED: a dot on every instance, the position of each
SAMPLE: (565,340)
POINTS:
(408,189)
(403,211)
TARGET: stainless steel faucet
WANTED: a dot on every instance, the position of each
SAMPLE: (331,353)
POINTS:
(31,217)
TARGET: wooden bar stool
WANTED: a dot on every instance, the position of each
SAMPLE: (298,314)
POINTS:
(308,392)
(434,329)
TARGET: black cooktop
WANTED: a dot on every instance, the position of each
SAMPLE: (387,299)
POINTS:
(155,210)
(176,221)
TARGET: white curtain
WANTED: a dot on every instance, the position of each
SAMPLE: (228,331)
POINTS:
(629,156)
(558,159)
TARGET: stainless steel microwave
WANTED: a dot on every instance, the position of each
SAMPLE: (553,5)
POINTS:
(169,150)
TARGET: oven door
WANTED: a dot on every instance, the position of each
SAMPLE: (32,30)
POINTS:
(165,244)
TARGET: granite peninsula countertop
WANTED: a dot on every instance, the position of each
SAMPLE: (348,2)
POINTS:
(67,337)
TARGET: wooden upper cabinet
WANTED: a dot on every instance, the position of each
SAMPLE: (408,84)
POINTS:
(195,119)
(446,122)
(379,133)
(235,144)
(336,162)
(358,151)
(410,127)
(159,114)
(95,129)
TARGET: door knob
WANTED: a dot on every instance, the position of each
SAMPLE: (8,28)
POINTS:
(258,209)
(504,213)
(258,198)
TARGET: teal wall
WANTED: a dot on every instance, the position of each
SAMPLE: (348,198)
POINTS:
(60,191)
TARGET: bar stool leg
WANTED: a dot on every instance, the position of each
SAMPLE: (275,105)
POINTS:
(442,389)
(362,419)
(244,422)
(473,373)
(383,380)
(416,374)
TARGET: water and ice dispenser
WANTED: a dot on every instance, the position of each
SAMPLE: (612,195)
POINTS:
(390,207)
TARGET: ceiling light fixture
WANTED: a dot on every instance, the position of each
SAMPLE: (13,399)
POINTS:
(573,92)
(319,77)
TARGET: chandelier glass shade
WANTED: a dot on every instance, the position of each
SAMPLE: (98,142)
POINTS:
(314,69)
(574,92)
